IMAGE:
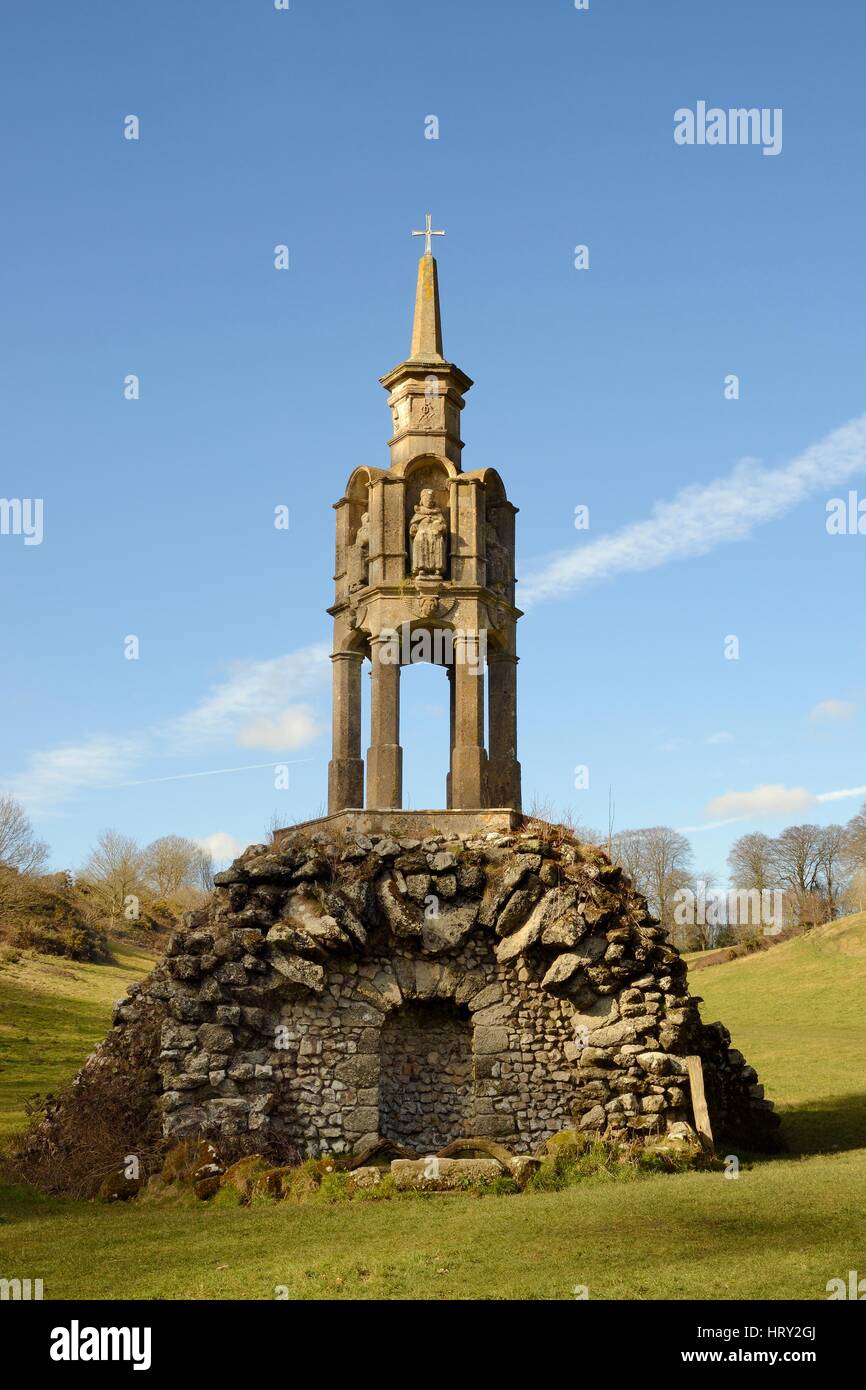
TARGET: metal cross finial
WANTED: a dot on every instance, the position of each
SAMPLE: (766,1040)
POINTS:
(428,232)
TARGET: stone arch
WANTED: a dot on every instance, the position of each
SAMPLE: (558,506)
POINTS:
(358,498)
(429,646)
(360,480)
(356,641)
(439,646)
(426,1091)
(494,488)
(405,470)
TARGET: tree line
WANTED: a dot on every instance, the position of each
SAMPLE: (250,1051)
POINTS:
(121,886)
(819,870)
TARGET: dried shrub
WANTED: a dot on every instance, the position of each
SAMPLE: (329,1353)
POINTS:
(79,1136)
(46,912)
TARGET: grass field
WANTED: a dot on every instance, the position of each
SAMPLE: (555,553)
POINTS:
(52,1013)
(798,1012)
(782,1229)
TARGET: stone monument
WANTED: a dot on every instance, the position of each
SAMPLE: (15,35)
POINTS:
(423,545)
(422,979)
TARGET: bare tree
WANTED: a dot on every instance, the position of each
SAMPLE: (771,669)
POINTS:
(832,862)
(204,870)
(668,857)
(19,847)
(855,840)
(628,848)
(702,935)
(751,861)
(114,873)
(169,864)
(657,860)
(797,858)
(855,891)
(797,863)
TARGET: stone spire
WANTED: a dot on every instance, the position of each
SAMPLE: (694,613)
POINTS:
(425,392)
(427,323)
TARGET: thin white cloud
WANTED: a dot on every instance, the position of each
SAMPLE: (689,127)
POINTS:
(703,516)
(721,737)
(209,772)
(59,773)
(772,799)
(832,710)
(254,692)
(710,825)
(295,727)
(841,795)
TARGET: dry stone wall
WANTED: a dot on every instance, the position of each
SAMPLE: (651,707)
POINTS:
(503,985)
(425,1075)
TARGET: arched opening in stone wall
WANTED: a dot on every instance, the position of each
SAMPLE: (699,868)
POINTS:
(425,1075)
(425,733)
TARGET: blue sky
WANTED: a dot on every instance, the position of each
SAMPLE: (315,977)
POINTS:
(601,387)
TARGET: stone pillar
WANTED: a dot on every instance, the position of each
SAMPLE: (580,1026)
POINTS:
(384,756)
(504,769)
(346,768)
(468,760)
(451,718)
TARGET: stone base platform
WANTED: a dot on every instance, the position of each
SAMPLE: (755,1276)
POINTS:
(415,825)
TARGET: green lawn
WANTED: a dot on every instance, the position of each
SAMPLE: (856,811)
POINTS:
(782,1229)
(52,1013)
(798,1012)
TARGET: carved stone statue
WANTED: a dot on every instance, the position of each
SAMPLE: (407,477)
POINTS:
(359,555)
(429,531)
(498,567)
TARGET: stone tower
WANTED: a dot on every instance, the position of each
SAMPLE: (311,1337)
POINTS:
(425,571)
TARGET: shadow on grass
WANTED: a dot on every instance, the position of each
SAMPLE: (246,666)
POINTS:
(834,1125)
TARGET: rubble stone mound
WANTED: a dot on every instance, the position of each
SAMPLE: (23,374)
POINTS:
(343,988)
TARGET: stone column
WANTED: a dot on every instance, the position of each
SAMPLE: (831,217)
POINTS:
(451,717)
(468,760)
(384,756)
(346,768)
(504,769)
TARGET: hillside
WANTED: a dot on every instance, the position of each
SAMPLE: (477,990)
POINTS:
(53,1012)
(799,1011)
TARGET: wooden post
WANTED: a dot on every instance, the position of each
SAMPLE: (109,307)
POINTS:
(699,1100)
